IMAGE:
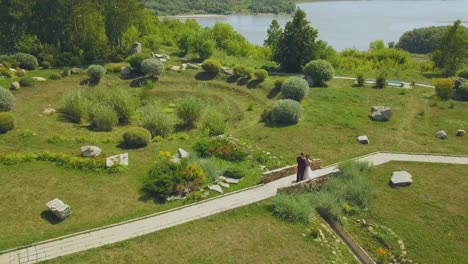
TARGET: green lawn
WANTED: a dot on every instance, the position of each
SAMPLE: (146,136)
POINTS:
(245,235)
(431,216)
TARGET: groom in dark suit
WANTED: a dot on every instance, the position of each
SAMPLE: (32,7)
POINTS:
(301,166)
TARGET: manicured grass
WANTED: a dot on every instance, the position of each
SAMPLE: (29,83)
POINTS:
(245,235)
(430,216)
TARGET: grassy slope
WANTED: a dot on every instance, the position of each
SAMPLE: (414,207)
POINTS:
(245,235)
(430,216)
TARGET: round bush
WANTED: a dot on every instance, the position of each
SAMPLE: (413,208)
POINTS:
(189,109)
(7,122)
(46,64)
(214,123)
(463,73)
(136,61)
(27,82)
(212,66)
(103,118)
(152,67)
(7,100)
(55,76)
(96,72)
(136,137)
(26,61)
(320,71)
(261,75)
(295,88)
(285,112)
(243,71)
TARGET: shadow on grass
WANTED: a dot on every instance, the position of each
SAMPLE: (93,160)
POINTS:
(273,92)
(147,198)
(181,127)
(50,217)
(232,79)
(205,76)
(253,84)
(243,81)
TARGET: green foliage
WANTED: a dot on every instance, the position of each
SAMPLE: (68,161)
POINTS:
(220,147)
(261,75)
(136,60)
(5,72)
(444,88)
(377,45)
(189,109)
(159,182)
(136,137)
(279,82)
(7,122)
(241,70)
(360,80)
(463,73)
(66,72)
(96,72)
(7,100)
(320,71)
(102,117)
(451,52)
(214,122)
(75,106)
(237,172)
(123,103)
(156,122)
(295,88)
(292,207)
(212,167)
(273,35)
(27,82)
(202,44)
(46,64)
(381,81)
(55,76)
(26,61)
(152,67)
(462,91)
(193,177)
(211,65)
(285,112)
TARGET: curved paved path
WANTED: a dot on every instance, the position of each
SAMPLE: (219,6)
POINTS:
(94,238)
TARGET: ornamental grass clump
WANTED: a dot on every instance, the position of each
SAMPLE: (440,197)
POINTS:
(102,117)
(214,123)
(75,106)
(157,123)
(293,207)
(189,109)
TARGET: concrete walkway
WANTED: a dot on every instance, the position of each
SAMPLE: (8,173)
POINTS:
(141,226)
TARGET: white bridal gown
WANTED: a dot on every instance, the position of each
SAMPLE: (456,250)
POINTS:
(309,174)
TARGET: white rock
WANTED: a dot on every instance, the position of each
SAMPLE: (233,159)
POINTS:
(121,159)
(158,55)
(162,60)
(192,66)
(59,208)
(90,151)
(125,70)
(182,153)
(442,134)
(184,66)
(228,180)
(39,79)
(460,133)
(15,86)
(223,184)
(49,111)
(215,188)
(401,178)
(12,69)
(75,71)
(381,113)
(363,140)
(227,71)
(175,68)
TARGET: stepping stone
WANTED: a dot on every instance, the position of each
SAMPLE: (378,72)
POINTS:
(39,79)
(460,133)
(90,151)
(401,179)
(228,180)
(49,111)
(363,140)
(182,153)
(442,134)
(59,208)
(223,184)
(121,159)
(215,188)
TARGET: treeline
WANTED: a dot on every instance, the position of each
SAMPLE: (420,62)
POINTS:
(177,7)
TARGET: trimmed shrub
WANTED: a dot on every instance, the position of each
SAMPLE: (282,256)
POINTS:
(75,106)
(136,137)
(5,72)
(159,182)
(136,61)
(443,87)
(463,73)
(292,207)
(320,71)
(26,61)
(102,117)
(381,81)
(295,88)
(7,122)
(214,123)
(360,80)
(27,82)
(55,76)
(462,91)
(243,71)
(96,72)
(158,124)
(123,103)
(152,67)
(212,66)
(7,100)
(189,109)
(286,112)
(261,75)
(46,64)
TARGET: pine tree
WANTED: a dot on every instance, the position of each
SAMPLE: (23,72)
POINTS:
(274,34)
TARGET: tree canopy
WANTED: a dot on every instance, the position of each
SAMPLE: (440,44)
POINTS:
(452,49)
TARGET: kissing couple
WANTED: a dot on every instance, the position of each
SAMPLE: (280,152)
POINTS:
(304,172)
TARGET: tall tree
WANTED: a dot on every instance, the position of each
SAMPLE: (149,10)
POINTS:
(296,46)
(274,34)
(452,49)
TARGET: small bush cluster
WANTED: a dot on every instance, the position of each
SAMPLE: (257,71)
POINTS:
(221,148)
(211,66)
(102,117)
(158,124)
(462,91)
(152,67)
(295,88)
(136,137)
(7,100)
(261,75)
(243,71)
(320,71)
(5,72)
(360,80)
(463,73)
(189,109)
(214,123)
(26,61)
(75,106)
(285,112)
(235,172)
(381,81)
(27,82)
(443,87)
(96,72)
(136,61)
(55,76)
(7,122)
(292,207)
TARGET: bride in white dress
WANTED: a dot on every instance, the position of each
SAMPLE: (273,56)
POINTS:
(308,174)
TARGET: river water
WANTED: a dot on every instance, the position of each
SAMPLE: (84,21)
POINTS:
(354,24)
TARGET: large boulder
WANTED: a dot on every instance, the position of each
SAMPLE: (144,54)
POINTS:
(460,133)
(381,113)
(59,208)
(125,70)
(182,153)
(401,179)
(15,86)
(90,151)
(121,159)
(215,188)
(442,134)
(136,47)
(39,79)
(363,140)
(75,71)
